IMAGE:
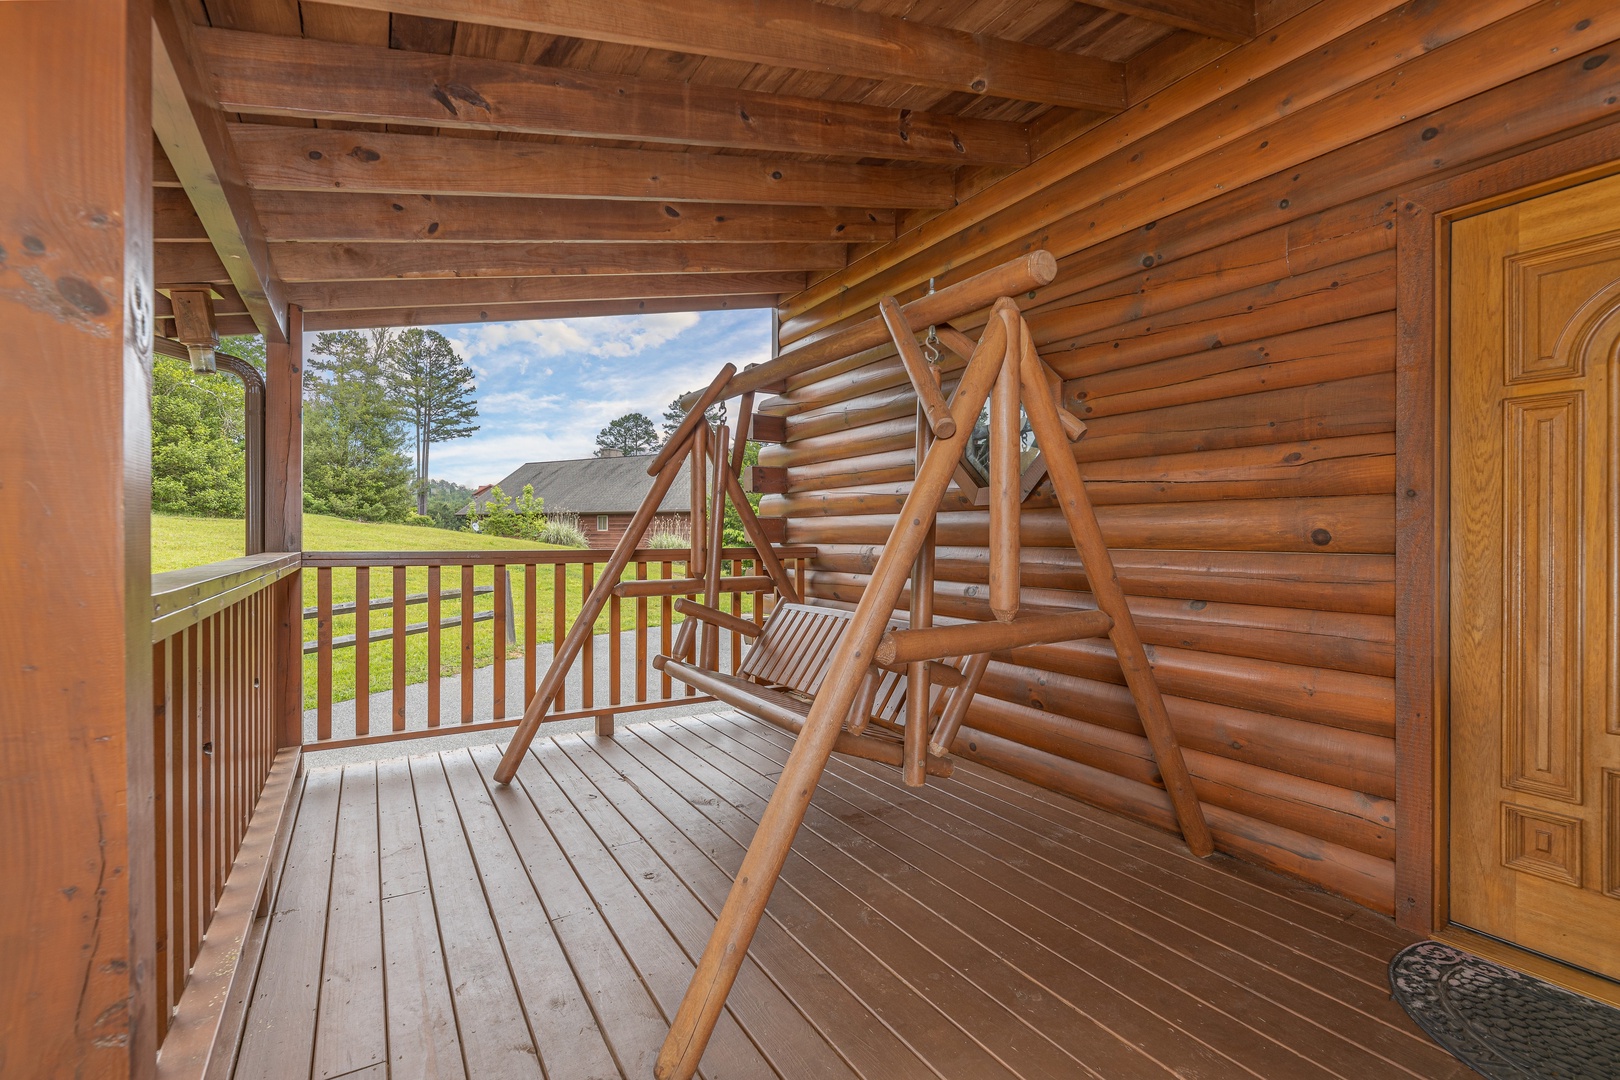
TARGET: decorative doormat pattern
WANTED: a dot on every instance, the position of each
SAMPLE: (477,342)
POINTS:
(1502,1023)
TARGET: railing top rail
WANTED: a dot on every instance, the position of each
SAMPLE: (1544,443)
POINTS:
(181,598)
(524,556)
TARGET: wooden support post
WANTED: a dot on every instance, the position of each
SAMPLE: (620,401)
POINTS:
(1006,473)
(1088,540)
(756,877)
(701,436)
(284,517)
(930,399)
(604,724)
(919,695)
(860,713)
(745,417)
(956,710)
(584,625)
(710,651)
(77,881)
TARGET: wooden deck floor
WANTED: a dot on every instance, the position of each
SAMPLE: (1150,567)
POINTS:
(432,924)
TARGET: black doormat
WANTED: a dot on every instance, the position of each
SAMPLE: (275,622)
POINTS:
(1502,1023)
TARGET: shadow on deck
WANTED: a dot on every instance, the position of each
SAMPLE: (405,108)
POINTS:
(432,924)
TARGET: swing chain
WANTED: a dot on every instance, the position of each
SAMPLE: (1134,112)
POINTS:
(931,342)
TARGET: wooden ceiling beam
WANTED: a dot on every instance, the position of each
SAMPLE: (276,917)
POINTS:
(381,262)
(809,36)
(278,158)
(311,216)
(259,73)
(1228,20)
(574,309)
(195,141)
(442,292)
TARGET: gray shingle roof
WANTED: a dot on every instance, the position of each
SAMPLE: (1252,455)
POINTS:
(596,485)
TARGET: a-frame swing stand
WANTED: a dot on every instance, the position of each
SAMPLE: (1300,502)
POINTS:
(1004,368)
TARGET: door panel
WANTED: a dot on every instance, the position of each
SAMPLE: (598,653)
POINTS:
(1535,743)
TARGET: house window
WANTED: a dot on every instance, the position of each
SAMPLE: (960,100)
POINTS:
(601,522)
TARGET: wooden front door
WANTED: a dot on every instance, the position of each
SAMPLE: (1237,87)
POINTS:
(1535,733)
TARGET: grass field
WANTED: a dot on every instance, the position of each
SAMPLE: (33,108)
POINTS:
(179,542)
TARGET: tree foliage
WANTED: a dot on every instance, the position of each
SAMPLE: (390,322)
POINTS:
(197,441)
(445,500)
(498,514)
(434,389)
(631,433)
(354,465)
(675,413)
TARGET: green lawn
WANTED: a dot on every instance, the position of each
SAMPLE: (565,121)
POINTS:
(179,542)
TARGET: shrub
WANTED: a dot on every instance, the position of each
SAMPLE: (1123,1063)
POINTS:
(561,528)
(423,521)
(669,531)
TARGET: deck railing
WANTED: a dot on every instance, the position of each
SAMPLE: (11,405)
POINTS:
(440,620)
(214,729)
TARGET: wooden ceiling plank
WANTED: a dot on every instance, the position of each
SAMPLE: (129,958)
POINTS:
(425,292)
(193,132)
(1228,20)
(382,262)
(340,217)
(265,75)
(810,36)
(574,309)
(182,264)
(294,159)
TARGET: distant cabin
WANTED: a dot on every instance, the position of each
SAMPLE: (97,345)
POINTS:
(604,491)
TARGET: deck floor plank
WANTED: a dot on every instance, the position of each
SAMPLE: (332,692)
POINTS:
(780,1031)
(279,1039)
(631,1024)
(350,1027)
(648,943)
(431,923)
(495,1036)
(658,813)
(1075,914)
(566,1032)
(423,1040)
(937,1037)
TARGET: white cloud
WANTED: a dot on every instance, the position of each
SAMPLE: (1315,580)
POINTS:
(606,337)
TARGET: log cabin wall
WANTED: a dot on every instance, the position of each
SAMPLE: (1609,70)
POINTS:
(1224,317)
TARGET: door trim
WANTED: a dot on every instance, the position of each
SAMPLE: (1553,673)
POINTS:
(1423,492)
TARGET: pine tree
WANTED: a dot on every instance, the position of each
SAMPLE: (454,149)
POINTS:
(354,464)
(631,433)
(434,388)
(674,414)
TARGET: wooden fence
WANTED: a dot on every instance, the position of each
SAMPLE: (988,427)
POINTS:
(214,747)
(453,612)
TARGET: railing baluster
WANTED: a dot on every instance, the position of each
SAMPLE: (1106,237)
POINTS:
(162,819)
(323,653)
(736,609)
(498,637)
(559,627)
(641,637)
(531,631)
(587,659)
(362,650)
(435,643)
(666,615)
(467,654)
(615,647)
(398,642)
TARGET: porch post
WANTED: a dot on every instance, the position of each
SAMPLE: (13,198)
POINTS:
(284,515)
(76,844)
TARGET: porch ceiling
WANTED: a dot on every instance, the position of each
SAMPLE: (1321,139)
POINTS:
(386,162)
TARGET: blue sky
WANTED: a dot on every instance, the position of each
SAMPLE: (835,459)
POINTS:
(546,388)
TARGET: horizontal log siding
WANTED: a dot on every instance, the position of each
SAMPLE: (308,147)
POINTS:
(1234,363)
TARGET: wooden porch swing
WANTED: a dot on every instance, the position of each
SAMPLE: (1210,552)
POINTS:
(869,682)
